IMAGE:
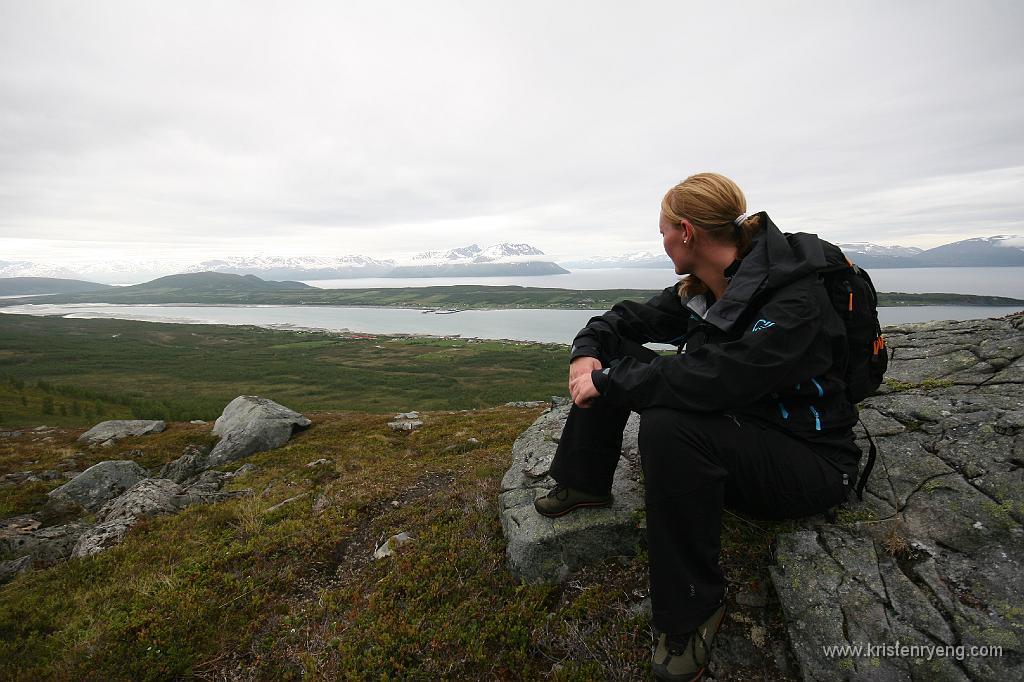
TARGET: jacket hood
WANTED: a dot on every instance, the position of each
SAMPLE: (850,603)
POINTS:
(775,259)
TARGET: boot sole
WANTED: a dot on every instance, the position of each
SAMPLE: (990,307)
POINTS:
(673,678)
(668,677)
(578,505)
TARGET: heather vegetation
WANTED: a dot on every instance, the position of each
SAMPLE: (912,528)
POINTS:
(248,589)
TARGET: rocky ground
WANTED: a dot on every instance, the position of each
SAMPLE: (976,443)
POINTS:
(103,503)
(283,583)
(931,557)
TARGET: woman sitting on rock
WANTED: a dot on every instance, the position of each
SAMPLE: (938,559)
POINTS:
(752,415)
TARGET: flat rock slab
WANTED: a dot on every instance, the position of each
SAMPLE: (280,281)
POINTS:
(42,546)
(548,550)
(147,498)
(120,428)
(934,555)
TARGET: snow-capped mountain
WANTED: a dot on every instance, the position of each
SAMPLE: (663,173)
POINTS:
(297,267)
(468,261)
(474,254)
(275,262)
(24,268)
(106,272)
(1015,241)
(869,249)
(1000,250)
(497,260)
(635,259)
(1004,249)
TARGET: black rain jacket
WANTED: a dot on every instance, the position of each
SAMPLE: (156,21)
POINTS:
(772,347)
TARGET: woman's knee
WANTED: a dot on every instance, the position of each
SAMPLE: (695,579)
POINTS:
(668,441)
(661,425)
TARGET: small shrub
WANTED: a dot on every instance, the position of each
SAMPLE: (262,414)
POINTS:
(895,541)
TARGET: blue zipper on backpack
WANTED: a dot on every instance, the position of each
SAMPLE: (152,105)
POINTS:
(821,391)
(817,419)
(783,411)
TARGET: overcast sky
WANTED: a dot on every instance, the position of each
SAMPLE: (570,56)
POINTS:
(202,129)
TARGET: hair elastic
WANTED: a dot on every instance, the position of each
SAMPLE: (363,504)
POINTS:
(740,218)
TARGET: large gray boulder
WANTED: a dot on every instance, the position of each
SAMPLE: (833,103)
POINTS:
(101,482)
(256,436)
(251,424)
(934,555)
(248,408)
(120,428)
(548,550)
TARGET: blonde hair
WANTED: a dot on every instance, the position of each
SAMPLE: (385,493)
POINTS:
(711,202)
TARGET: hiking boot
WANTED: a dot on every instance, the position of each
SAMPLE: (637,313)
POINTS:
(685,656)
(562,499)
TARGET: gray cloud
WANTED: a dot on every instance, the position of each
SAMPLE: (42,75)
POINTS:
(209,129)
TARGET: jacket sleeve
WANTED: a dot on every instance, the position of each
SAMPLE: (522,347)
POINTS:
(661,319)
(786,339)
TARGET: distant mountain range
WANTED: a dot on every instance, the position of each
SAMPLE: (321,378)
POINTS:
(468,261)
(510,260)
(1001,250)
(303,267)
(196,287)
(635,259)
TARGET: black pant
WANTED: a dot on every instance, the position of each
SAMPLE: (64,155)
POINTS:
(694,464)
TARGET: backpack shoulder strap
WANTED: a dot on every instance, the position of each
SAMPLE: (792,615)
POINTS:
(866,471)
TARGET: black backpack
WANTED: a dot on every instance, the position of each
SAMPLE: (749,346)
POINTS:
(855,300)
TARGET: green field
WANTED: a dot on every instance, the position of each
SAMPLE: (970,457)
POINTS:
(65,372)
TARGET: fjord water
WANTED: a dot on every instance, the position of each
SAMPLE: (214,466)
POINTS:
(982,281)
(546,326)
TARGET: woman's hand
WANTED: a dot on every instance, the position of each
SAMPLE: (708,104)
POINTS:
(581,386)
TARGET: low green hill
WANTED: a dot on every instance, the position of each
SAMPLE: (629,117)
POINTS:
(211,282)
